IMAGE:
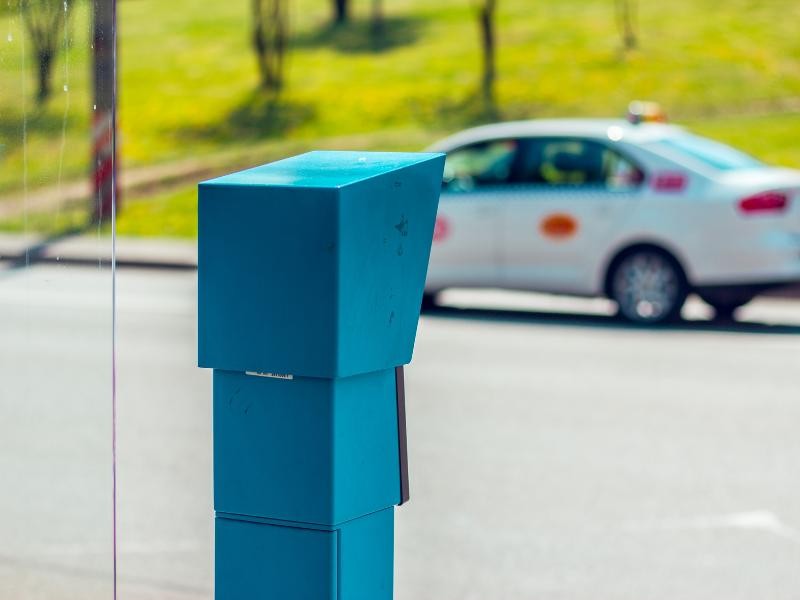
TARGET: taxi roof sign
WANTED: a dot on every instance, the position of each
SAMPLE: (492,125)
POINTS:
(641,111)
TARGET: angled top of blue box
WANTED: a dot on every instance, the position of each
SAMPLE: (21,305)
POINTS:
(323,169)
(315,265)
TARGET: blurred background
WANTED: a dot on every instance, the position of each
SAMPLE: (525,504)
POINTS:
(556,452)
(391,74)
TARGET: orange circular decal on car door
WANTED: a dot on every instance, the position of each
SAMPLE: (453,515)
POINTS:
(559,226)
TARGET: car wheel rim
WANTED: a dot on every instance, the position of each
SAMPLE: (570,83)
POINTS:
(646,287)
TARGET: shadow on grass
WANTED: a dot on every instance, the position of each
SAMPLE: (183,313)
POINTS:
(360,36)
(13,126)
(454,113)
(261,115)
(563,319)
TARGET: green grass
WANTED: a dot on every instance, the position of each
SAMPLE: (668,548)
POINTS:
(172,214)
(189,86)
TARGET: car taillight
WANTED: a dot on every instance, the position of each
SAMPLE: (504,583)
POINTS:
(765,202)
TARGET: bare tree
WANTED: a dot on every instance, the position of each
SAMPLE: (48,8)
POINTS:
(486,23)
(45,21)
(270,34)
(377,16)
(341,11)
(626,21)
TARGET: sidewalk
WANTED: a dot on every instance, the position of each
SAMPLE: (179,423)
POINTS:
(135,181)
(19,250)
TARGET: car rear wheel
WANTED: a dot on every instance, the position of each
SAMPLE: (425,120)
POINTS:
(648,286)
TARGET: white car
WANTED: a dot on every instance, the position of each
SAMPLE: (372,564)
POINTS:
(640,213)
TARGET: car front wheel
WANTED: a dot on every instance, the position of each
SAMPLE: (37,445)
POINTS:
(648,286)
(429,301)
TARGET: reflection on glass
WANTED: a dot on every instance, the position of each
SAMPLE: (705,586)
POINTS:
(55,312)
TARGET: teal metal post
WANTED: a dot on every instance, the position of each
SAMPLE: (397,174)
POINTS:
(311,272)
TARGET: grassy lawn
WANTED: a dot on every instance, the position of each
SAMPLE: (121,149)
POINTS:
(189,86)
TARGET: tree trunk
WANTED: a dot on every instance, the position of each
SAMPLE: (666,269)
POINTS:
(341,12)
(45,58)
(260,44)
(377,16)
(626,22)
(280,37)
(488,44)
(269,41)
(45,21)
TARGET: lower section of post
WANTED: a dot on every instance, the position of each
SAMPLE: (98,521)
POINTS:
(259,559)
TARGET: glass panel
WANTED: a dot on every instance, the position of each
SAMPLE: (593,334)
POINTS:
(56,530)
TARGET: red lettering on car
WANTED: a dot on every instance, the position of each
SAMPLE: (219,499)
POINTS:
(674,181)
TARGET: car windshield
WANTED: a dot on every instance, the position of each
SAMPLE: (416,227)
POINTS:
(711,153)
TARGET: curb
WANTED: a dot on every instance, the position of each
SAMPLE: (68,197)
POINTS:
(17,251)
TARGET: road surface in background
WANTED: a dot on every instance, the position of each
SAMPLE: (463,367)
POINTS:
(554,452)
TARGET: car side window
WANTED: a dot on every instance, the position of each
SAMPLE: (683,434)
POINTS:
(574,162)
(478,165)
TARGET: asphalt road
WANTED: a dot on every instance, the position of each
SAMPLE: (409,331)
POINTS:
(554,452)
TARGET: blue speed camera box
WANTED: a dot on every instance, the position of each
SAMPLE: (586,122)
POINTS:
(315,265)
(311,273)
